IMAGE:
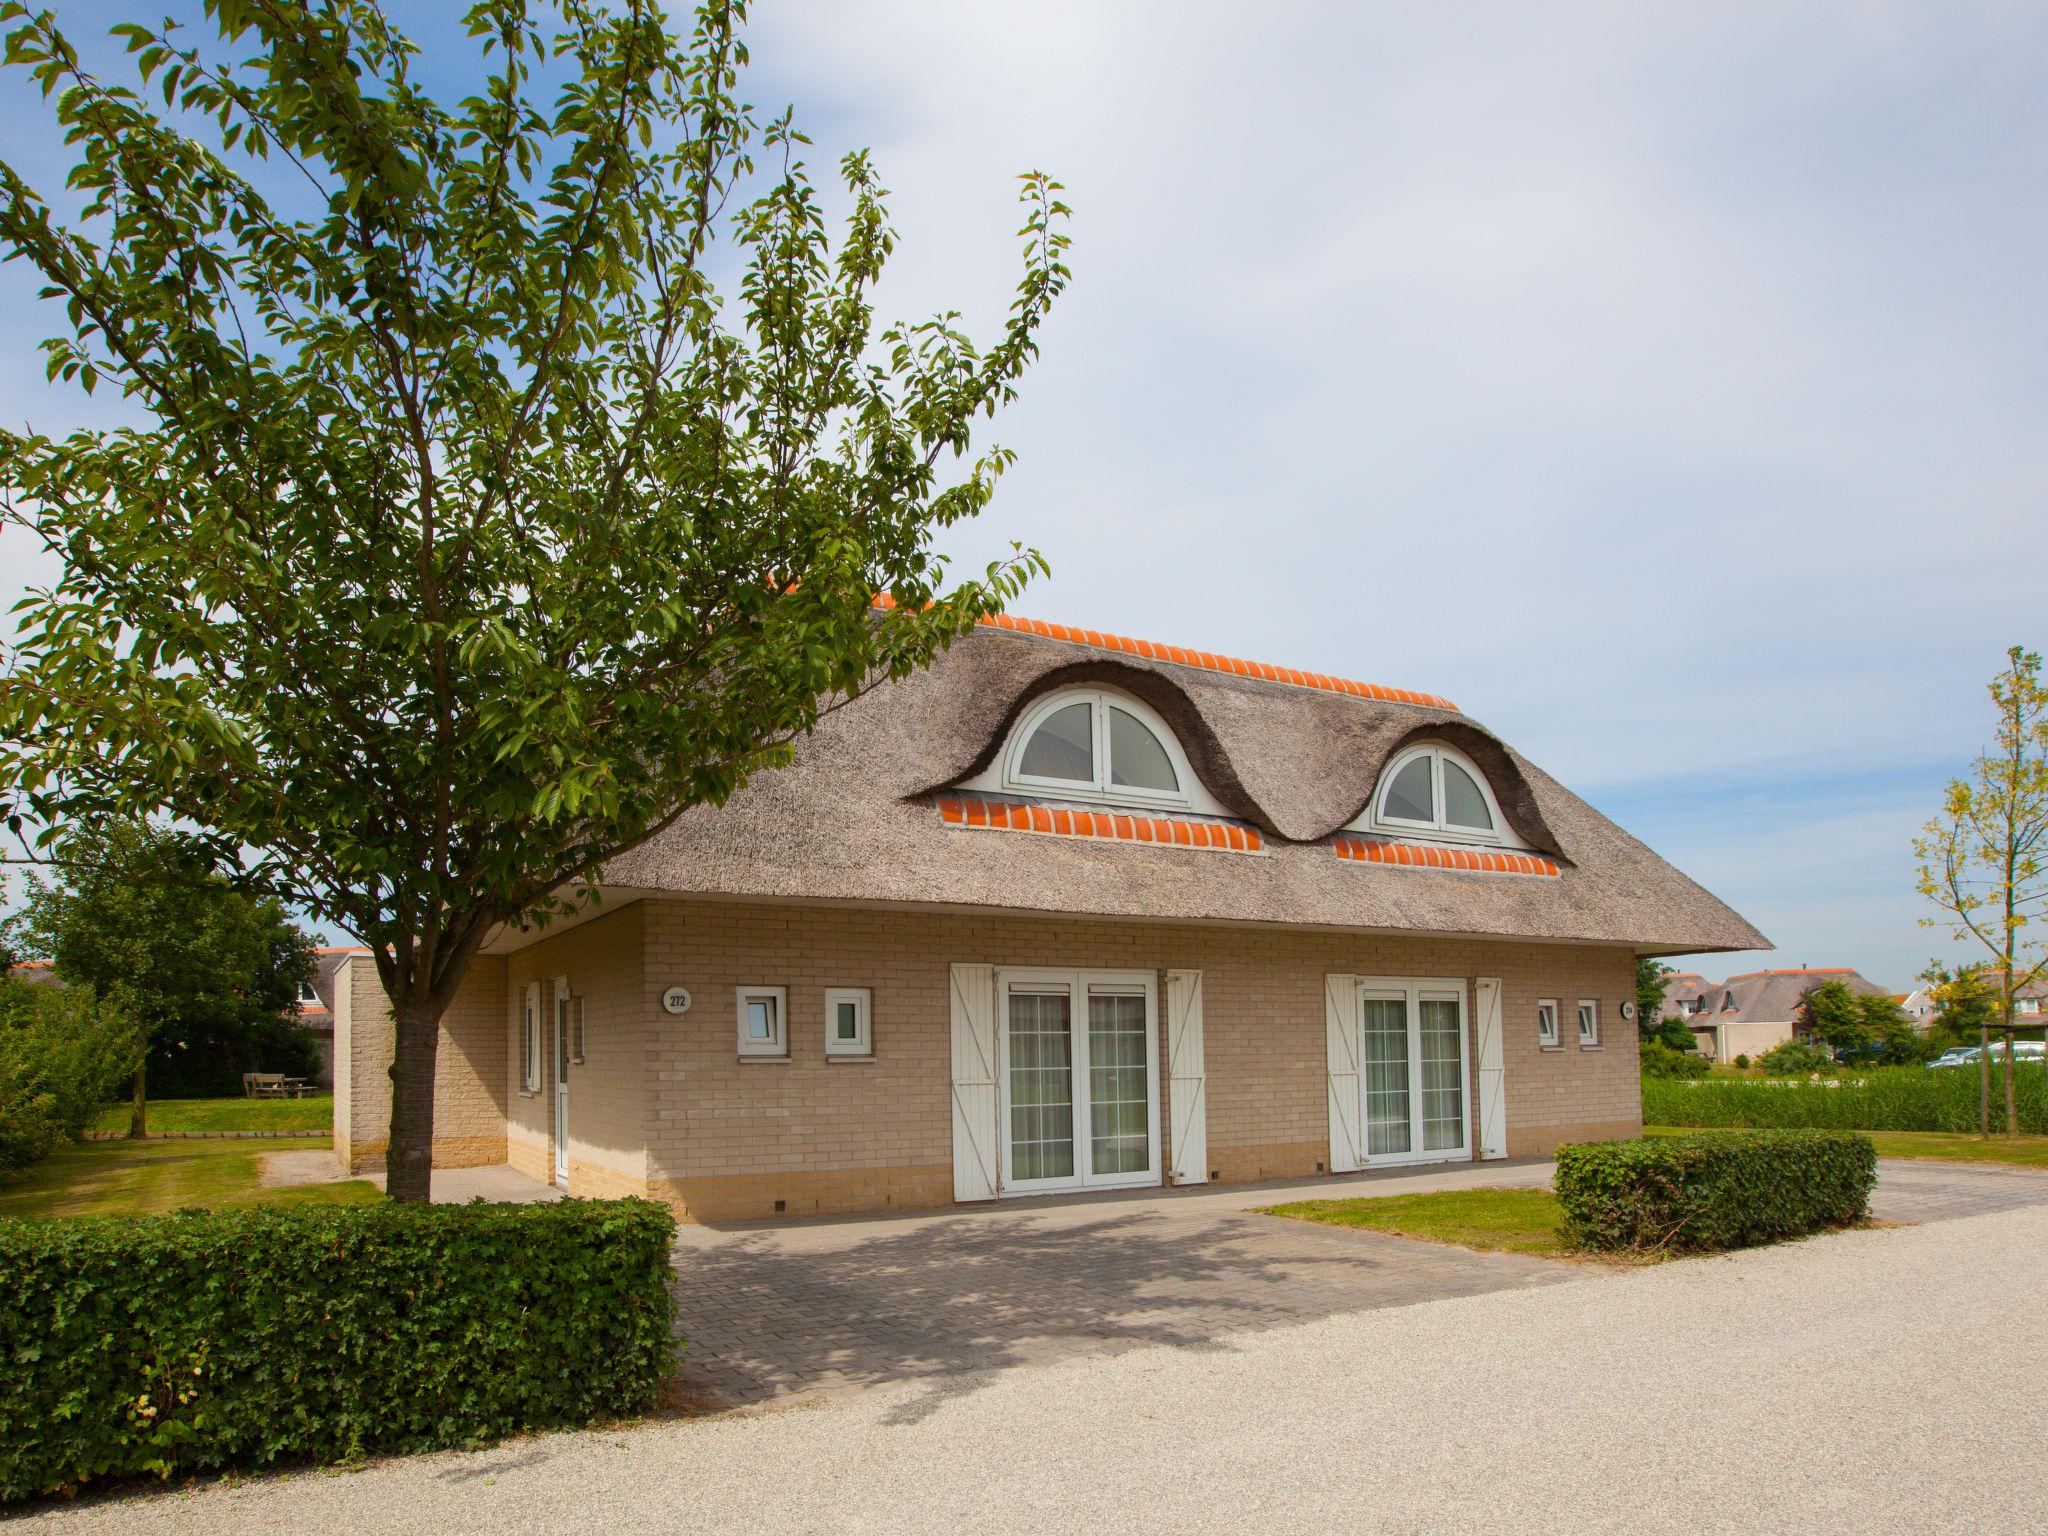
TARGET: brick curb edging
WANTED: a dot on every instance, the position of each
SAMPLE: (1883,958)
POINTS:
(208,1135)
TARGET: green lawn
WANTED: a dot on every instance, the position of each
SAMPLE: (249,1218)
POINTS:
(309,1114)
(2023,1151)
(1504,1220)
(147,1178)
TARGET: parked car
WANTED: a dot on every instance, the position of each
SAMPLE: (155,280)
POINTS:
(2023,1052)
(1955,1056)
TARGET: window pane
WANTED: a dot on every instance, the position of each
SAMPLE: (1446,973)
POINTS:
(1041,1086)
(1386,1076)
(1443,1077)
(1063,747)
(1136,756)
(760,1018)
(1409,797)
(1464,804)
(849,1021)
(1118,1123)
(1587,1025)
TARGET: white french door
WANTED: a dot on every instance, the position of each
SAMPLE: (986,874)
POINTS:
(1411,1071)
(1078,1075)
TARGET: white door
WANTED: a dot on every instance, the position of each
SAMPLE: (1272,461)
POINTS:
(562,1083)
(1411,1075)
(1079,1080)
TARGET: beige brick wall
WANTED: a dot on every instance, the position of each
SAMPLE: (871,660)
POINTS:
(469,1069)
(729,1138)
(611,1093)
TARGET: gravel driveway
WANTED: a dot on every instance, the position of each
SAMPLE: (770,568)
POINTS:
(1883,1380)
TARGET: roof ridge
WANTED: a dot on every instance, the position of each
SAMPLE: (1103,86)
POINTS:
(1209,661)
(1800,970)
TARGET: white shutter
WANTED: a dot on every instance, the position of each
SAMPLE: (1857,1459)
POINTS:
(1187,1083)
(1493,1092)
(1341,1020)
(975,1120)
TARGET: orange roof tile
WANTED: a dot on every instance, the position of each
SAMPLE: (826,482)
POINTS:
(1208,661)
(1418,856)
(1114,826)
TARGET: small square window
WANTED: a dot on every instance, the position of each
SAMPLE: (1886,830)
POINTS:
(762,1012)
(1546,1024)
(847,1028)
(1589,1023)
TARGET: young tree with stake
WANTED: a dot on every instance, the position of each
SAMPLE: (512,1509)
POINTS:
(1981,859)
(471,537)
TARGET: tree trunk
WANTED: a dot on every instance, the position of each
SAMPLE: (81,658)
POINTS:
(409,1155)
(138,1104)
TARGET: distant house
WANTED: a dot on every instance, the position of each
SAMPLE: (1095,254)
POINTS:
(1746,1015)
(2029,1006)
(1685,994)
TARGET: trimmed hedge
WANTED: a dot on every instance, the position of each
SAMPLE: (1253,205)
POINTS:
(1697,1194)
(1866,1099)
(177,1344)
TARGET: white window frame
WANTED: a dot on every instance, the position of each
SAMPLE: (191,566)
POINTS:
(1006,774)
(776,1049)
(530,1042)
(1436,829)
(309,996)
(1079,984)
(1589,1008)
(1546,1025)
(1412,991)
(863,1042)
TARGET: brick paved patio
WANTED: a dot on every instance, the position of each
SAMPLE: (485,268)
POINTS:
(781,1310)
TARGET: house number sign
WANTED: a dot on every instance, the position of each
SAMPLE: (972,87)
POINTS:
(676,1000)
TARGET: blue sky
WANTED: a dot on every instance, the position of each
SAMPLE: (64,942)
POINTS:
(1666,387)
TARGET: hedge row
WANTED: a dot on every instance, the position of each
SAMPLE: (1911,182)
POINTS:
(1876,1099)
(1696,1194)
(178,1344)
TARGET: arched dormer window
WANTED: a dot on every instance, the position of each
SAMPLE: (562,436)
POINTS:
(1437,792)
(1096,745)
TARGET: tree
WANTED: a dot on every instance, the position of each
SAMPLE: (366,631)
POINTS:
(1964,1005)
(1652,980)
(1889,1036)
(63,1053)
(1833,1015)
(474,538)
(206,974)
(1981,859)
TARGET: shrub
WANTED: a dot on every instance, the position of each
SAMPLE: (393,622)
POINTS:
(1876,1099)
(61,1057)
(178,1344)
(1742,1061)
(1704,1193)
(1659,1060)
(1795,1058)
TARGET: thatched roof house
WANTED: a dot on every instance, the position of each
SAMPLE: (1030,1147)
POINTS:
(1389,936)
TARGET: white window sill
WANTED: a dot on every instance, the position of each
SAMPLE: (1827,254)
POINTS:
(851,1056)
(1592,1047)
(1549,1047)
(763,1061)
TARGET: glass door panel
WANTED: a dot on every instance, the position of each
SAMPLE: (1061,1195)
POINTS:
(1041,1085)
(1443,1076)
(1119,1105)
(1387,1097)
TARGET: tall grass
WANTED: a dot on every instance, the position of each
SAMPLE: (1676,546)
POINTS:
(1879,1099)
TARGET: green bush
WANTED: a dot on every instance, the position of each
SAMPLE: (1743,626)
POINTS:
(1795,1058)
(1696,1194)
(61,1057)
(1742,1061)
(1872,1099)
(1659,1060)
(178,1344)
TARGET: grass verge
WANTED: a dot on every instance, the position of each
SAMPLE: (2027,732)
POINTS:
(309,1114)
(2019,1151)
(148,1178)
(1494,1220)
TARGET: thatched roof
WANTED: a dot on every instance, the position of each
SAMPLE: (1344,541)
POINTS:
(856,818)
(1773,997)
